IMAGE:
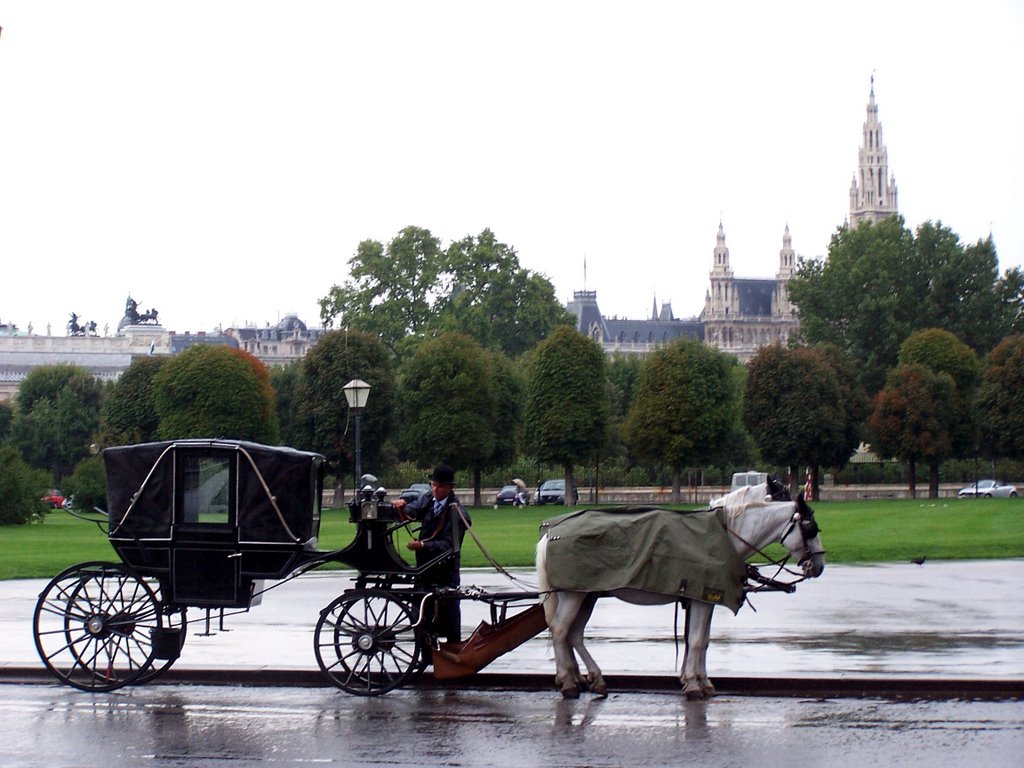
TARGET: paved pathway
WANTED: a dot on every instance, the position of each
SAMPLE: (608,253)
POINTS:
(942,620)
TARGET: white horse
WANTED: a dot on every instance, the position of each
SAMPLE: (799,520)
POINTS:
(754,520)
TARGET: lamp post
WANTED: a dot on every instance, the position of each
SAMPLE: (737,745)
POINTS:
(357,392)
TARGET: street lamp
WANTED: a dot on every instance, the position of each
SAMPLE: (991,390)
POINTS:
(357,392)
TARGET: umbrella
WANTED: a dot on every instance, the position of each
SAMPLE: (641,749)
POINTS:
(519,483)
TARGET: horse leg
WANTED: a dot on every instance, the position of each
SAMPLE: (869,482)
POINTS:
(694,674)
(595,680)
(561,623)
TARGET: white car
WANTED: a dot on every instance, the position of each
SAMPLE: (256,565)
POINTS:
(988,489)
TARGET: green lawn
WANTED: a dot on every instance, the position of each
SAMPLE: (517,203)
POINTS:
(862,531)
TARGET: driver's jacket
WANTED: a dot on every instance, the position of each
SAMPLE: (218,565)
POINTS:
(436,535)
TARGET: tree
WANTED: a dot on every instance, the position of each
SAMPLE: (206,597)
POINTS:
(998,399)
(942,352)
(880,283)
(56,417)
(413,289)
(488,296)
(286,381)
(87,484)
(21,489)
(566,412)
(208,391)
(507,384)
(685,406)
(6,417)
(450,406)
(268,402)
(337,358)
(392,290)
(792,408)
(854,403)
(128,414)
(910,417)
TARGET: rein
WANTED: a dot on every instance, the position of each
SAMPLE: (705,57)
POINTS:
(487,555)
(781,564)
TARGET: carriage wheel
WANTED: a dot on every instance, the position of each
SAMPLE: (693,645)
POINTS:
(93,625)
(366,642)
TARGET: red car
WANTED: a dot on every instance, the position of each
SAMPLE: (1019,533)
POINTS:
(54,498)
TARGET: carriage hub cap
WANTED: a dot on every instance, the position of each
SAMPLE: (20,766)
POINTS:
(95,624)
(365,642)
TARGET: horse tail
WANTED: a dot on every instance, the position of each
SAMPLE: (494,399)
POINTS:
(548,598)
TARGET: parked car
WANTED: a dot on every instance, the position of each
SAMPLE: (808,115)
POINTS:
(506,496)
(56,499)
(414,491)
(553,492)
(987,489)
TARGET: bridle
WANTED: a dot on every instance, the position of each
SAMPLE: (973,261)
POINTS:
(809,529)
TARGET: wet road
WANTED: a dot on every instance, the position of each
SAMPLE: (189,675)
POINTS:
(943,619)
(163,725)
(951,621)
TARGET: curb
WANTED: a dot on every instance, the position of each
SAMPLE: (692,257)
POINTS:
(804,687)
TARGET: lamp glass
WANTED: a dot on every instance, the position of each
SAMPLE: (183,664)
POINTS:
(357,392)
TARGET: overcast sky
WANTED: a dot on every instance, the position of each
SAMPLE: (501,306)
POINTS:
(221,161)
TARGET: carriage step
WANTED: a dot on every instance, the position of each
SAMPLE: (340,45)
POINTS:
(487,643)
(167,642)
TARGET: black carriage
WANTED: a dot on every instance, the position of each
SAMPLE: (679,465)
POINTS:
(206,524)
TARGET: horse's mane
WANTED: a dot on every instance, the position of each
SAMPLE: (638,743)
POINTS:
(742,499)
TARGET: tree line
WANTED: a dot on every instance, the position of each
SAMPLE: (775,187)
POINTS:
(471,360)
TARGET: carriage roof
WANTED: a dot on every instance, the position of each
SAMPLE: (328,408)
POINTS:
(274,492)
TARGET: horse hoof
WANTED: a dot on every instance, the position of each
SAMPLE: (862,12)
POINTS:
(570,693)
(597,685)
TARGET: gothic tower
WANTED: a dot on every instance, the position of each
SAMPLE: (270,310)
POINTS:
(787,271)
(873,191)
(719,299)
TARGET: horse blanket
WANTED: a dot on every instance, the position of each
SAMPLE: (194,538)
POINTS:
(686,555)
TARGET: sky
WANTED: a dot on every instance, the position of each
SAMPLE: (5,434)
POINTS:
(220,161)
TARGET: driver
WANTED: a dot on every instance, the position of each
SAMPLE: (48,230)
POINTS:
(439,511)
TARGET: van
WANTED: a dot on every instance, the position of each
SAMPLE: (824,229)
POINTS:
(750,477)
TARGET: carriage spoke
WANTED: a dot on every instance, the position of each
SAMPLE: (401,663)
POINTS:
(93,626)
(365,642)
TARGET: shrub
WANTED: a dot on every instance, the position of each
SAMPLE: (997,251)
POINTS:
(87,484)
(21,489)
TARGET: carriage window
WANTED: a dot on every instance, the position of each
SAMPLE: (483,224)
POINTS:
(206,489)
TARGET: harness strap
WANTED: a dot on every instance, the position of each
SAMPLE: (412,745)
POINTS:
(487,555)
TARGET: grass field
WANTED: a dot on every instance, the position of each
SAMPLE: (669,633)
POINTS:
(862,531)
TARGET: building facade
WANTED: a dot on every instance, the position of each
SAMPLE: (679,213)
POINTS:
(280,344)
(741,315)
(108,356)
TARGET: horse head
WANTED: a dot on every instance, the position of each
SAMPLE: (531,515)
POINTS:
(777,490)
(803,541)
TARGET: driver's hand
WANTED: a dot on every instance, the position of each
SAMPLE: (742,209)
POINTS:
(399,506)
(415,544)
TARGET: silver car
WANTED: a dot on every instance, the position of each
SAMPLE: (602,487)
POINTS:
(988,489)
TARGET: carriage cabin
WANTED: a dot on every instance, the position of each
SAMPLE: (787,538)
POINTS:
(211,518)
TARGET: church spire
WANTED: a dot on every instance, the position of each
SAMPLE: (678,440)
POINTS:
(873,190)
(787,257)
(721,266)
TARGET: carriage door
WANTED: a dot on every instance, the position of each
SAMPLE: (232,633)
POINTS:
(206,562)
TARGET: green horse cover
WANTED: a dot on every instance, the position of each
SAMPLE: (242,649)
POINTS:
(685,555)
